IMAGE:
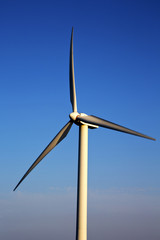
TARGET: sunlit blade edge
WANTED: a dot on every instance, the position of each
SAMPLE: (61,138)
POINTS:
(104,123)
(71,78)
(58,138)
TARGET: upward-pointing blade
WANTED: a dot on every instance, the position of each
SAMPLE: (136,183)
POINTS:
(104,123)
(71,78)
(58,138)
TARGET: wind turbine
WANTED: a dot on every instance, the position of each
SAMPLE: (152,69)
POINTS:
(84,122)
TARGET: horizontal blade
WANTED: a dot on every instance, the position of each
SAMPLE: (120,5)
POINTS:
(71,78)
(59,137)
(104,123)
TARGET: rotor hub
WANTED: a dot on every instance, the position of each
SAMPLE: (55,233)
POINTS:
(73,116)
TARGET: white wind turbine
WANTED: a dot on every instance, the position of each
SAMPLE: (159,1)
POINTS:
(84,122)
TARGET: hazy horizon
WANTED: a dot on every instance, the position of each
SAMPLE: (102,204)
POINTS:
(112,213)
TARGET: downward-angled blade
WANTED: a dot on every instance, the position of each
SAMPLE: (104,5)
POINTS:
(58,138)
(71,78)
(104,123)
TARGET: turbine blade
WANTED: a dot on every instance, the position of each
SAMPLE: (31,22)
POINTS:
(71,78)
(104,123)
(58,138)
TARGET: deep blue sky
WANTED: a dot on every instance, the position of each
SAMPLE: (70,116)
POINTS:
(117,71)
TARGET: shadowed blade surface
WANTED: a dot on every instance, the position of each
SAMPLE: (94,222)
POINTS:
(71,78)
(104,123)
(58,138)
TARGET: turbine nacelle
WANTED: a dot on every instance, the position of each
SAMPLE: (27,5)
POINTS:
(74,116)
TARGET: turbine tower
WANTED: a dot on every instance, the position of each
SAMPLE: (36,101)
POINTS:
(84,122)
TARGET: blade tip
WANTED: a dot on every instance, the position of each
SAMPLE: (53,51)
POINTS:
(16,186)
(150,138)
(72,32)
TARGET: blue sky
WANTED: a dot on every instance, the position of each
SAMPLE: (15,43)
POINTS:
(117,59)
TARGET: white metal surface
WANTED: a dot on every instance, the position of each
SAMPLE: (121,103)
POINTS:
(81,228)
